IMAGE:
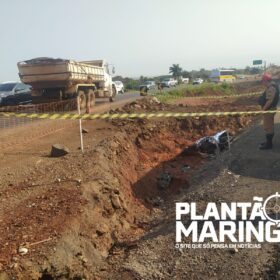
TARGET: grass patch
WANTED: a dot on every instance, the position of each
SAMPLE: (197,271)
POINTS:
(206,89)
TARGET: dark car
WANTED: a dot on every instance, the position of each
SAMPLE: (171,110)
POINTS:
(149,85)
(14,93)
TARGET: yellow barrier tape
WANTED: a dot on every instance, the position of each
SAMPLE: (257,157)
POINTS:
(67,116)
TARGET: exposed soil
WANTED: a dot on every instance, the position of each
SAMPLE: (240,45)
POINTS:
(102,214)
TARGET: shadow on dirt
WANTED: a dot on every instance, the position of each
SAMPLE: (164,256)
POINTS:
(247,160)
(166,179)
(244,159)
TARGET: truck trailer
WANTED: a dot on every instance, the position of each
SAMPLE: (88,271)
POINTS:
(58,79)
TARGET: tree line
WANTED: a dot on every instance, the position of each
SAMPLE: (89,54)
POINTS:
(176,71)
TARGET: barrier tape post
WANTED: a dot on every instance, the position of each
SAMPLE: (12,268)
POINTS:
(80,126)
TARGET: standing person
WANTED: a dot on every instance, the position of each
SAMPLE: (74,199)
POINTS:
(268,101)
(159,87)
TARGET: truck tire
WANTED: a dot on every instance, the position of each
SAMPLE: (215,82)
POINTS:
(81,99)
(90,101)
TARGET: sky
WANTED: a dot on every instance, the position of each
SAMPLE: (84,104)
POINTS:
(140,37)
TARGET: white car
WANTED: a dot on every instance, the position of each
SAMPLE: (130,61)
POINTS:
(119,86)
(169,82)
(185,80)
(197,81)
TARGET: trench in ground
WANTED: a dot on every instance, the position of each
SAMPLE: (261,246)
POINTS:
(122,191)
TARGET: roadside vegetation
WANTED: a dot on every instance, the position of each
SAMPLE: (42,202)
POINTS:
(206,89)
(176,71)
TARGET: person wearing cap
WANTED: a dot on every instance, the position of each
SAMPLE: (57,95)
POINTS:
(268,101)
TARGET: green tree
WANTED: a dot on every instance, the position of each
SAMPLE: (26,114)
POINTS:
(186,74)
(143,79)
(204,74)
(175,70)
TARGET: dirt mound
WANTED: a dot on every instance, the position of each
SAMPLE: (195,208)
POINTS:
(80,207)
(148,104)
(191,105)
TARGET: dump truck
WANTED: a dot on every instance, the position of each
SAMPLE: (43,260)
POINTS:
(57,79)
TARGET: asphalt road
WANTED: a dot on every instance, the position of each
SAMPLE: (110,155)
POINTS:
(120,97)
(102,105)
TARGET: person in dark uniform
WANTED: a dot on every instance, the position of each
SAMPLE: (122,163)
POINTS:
(268,101)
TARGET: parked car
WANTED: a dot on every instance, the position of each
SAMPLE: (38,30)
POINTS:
(119,86)
(197,81)
(169,82)
(14,93)
(149,85)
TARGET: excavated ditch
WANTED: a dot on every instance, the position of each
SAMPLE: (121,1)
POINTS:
(121,183)
(127,185)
